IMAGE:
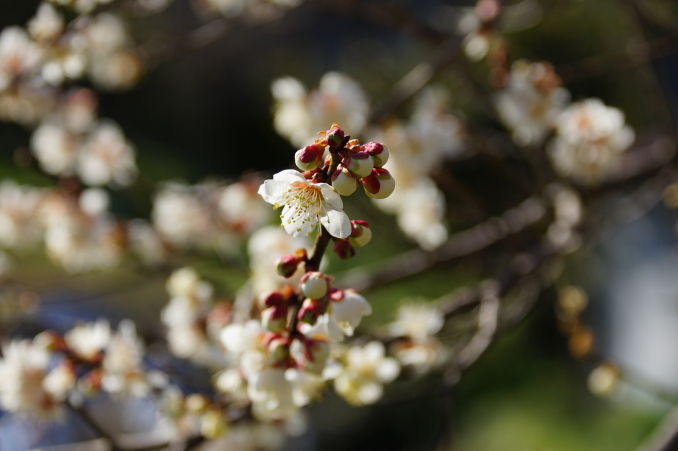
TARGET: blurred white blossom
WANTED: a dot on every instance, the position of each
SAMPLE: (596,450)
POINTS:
(365,372)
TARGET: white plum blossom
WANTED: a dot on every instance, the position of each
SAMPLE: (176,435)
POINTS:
(242,208)
(122,364)
(190,301)
(23,370)
(19,55)
(80,234)
(531,102)
(306,203)
(19,204)
(55,148)
(417,320)
(366,370)
(106,157)
(590,139)
(300,115)
(88,340)
(422,213)
(47,24)
(349,311)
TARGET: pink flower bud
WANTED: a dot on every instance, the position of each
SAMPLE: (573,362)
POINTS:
(310,311)
(314,285)
(360,233)
(273,299)
(360,164)
(379,184)
(279,348)
(287,265)
(378,152)
(274,319)
(343,248)
(310,157)
(335,136)
(343,181)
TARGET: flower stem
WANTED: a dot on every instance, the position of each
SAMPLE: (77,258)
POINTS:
(321,243)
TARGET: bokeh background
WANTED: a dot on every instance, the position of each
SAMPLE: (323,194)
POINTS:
(204,109)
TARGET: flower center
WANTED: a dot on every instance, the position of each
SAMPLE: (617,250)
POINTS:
(305,202)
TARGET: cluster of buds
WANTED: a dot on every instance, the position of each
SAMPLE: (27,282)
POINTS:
(359,237)
(346,162)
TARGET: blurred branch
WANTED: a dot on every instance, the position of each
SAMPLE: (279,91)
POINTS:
(417,79)
(631,57)
(469,241)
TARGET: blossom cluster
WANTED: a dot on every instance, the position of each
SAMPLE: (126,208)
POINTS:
(256,9)
(416,147)
(39,375)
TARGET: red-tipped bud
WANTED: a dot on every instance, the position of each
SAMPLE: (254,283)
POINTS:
(310,157)
(378,152)
(314,284)
(343,248)
(335,136)
(273,299)
(279,349)
(379,184)
(360,164)
(310,311)
(343,181)
(287,265)
(360,233)
(274,319)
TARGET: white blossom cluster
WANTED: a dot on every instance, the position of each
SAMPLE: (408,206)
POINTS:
(416,325)
(299,114)
(39,375)
(590,137)
(416,147)
(531,102)
(209,215)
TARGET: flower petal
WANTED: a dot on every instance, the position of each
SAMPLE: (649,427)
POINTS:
(332,198)
(337,223)
(272,190)
(290,176)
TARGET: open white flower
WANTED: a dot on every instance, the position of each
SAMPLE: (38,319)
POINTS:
(367,369)
(305,203)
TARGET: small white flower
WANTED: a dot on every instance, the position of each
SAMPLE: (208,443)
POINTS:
(417,321)
(89,339)
(47,24)
(107,157)
(305,203)
(367,369)
(349,311)
(122,365)
(19,55)
(590,139)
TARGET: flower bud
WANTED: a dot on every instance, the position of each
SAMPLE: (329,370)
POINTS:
(335,136)
(379,184)
(273,299)
(343,181)
(378,152)
(279,348)
(360,233)
(343,249)
(314,285)
(360,164)
(309,158)
(287,265)
(309,311)
(274,319)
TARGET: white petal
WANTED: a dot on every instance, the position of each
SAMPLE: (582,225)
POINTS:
(272,190)
(337,223)
(350,311)
(298,225)
(370,392)
(332,198)
(290,176)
